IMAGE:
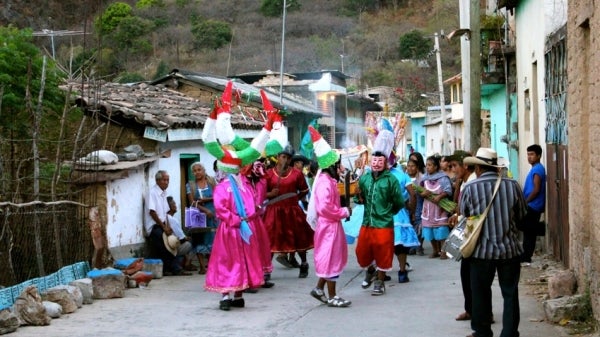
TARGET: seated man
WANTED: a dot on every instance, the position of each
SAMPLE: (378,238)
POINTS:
(185,246)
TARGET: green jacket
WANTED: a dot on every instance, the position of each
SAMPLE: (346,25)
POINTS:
(382,198)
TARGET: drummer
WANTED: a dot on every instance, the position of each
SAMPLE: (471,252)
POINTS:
(463,173)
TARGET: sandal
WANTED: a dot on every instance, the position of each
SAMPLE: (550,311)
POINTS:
(338,302)
(319,295)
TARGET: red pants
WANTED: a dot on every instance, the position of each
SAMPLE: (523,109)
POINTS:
(375,244)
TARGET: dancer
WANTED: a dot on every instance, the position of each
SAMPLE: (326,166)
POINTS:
(380,192)
(235,263)
(325,214)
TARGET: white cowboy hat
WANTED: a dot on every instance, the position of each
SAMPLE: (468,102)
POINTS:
(484,156)
(171,243)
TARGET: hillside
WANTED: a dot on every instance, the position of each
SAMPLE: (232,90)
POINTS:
(318,36)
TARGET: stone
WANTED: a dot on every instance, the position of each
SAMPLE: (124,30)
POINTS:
(108,283)
(155,266)
(87,291)
(9,322)
(563,283)
(53,309)
(561,308)
(29,308)
(69,297)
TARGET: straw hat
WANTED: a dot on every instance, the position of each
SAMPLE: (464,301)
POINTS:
(171,243)
(484,156)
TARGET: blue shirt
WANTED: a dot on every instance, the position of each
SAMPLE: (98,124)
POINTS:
(539,202)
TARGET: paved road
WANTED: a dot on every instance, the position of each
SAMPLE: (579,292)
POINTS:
(178,306)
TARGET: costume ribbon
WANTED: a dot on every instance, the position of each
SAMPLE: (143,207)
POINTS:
(245,230)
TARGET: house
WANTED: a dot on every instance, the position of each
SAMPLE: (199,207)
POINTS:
(325,90)
(164,126)
(577,118)
(298,110)
(433,130)
(538,99)
(358,106)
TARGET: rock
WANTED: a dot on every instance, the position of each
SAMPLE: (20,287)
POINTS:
(107,283)
(142,278)
(53,309)
(155,266)
(29,308)
(9,322)
(563,283)
(69,297)
(561,308)
(87,291)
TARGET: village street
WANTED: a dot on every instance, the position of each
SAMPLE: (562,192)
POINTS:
(178,306)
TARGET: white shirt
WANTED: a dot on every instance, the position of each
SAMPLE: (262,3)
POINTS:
(176,227)
(157,201)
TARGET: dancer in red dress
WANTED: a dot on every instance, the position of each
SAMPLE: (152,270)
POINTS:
(286,222)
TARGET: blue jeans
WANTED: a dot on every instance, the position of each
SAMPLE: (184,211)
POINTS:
(482,276)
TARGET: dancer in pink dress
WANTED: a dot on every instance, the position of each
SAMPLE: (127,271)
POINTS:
(235,262)
(325,214)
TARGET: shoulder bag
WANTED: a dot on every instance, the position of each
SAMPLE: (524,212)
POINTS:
(473,226)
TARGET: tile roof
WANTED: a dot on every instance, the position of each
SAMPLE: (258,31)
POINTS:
(151,105)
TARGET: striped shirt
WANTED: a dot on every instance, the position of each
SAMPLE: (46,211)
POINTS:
(498,238)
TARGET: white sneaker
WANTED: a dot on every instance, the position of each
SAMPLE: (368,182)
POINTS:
(525,264)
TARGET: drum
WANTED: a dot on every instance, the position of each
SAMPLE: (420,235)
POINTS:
(455,240)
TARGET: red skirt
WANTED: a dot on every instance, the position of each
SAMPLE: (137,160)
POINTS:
(287,228)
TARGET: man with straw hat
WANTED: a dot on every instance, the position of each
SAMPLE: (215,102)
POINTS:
(498,248)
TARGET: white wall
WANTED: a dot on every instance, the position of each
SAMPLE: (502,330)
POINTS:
(125,209)
(532,28)
(125,197)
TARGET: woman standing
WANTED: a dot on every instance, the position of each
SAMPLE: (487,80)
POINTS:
(200,195)
(434,219)
(416,169)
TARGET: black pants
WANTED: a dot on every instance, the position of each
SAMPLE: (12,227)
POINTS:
(465,280)
(529,234)
(482,276)
(170,262)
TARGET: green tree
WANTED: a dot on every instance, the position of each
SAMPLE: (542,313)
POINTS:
(141,4)
(21,86)
(414,45)
(211,34)
(131,35)
(110,19)
(162,70)
(274,8)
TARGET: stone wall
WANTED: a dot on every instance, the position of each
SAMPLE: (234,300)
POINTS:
(583,48)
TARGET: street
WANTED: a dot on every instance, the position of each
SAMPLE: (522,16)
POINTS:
(179,306)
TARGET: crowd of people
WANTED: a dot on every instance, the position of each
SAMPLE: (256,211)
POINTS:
(262,208)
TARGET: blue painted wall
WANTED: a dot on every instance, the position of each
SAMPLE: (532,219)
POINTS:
(495,102)
(419,137)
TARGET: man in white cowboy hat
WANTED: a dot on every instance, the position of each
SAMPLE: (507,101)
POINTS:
(498,248)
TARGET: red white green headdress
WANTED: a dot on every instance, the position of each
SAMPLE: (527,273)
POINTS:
(231,151)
